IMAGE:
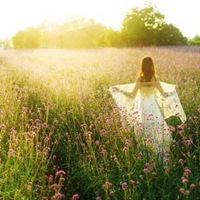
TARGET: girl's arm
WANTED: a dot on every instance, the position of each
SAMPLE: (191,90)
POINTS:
(135,89)
(160,89)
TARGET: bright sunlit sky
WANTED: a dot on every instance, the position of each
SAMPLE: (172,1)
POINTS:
(17,15)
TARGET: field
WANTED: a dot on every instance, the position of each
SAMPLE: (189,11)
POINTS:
(61,136)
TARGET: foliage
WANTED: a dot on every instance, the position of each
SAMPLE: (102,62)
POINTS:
(29,38)
(170,35)
(24,139)
(77,33)
(146,26)
(195,40)
(141,27)
(61,136)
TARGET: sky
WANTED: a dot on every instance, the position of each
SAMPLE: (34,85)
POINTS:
(16,15)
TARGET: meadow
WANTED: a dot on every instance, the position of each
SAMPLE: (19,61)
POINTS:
(60,131)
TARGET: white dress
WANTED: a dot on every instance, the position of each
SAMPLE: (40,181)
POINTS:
(147,110)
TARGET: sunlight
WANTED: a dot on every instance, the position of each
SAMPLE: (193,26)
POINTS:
(24,13)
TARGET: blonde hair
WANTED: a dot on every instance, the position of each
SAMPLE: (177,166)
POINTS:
(147,70)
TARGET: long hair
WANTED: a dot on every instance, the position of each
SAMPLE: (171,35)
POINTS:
(147,70)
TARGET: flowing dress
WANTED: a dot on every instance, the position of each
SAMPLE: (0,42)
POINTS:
(147,110)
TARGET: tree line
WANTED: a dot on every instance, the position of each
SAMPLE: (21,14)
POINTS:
(140,27)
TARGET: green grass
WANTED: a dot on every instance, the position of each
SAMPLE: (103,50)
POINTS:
(57,114)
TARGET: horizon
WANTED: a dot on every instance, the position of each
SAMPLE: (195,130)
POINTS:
(109,13)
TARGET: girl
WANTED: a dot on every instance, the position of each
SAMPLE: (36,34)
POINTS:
(144,106)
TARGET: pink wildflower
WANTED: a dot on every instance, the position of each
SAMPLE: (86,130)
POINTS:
(180,160)
(125,149)
(75,197)
(146,169)
(57,196)
(184,180)
(124,185)
(107,184)
(60,172)
(50,178)
(187,172)
(188,142)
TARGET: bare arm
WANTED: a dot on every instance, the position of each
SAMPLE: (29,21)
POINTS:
(135,89)
(159,87)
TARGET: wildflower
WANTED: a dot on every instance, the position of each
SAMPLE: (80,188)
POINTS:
(181,160)
(12,132)
(188,142)
(97,142)
(146,169)
(133,182)
(166,168)
(154,173)
(44,125)
(55,187)
(192,185)
(111,193)
(107,184)
(125,149)
(3,126)
(182,190)
(60,172)
(188,154)
(57,196)
(141,176)
(114,158)
(187,172)
(11,152)
(124,185)
(75,197)
(172,128)
(60,196)
(184,180)
(50,178)
(103,151)
(147,164)
(37,120)
(167,159)
(98,198)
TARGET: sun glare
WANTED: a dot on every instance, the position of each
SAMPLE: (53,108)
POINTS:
(24,13)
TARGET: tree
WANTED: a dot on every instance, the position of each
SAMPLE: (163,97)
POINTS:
(140,26)
(195,40)
(113,38)
(146,26)
(29,38)
(170,35)
(80,33)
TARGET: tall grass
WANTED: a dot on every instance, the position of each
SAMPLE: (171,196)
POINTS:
(61,135)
